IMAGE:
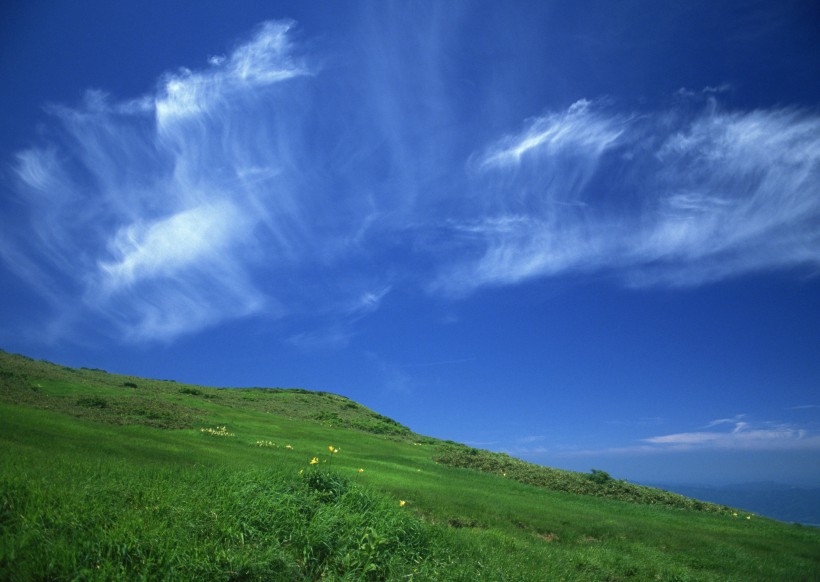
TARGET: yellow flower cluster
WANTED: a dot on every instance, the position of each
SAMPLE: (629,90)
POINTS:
(734,514)
(220,431)
(333,451)
(268,444)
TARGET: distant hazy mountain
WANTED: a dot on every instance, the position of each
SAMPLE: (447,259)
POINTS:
(783,502)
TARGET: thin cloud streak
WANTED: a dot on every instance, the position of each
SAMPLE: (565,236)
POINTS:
(736,435)
(740,438)
(579,128)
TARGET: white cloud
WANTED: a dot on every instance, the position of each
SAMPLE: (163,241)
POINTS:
(266,59)
(157,229)
(735,434)
(738,433)
(580,128)
(254,186)
(743,436)
(171,244)
(368,301)
(662,199)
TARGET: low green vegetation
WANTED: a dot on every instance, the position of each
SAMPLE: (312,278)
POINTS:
(108,477)
(598,483)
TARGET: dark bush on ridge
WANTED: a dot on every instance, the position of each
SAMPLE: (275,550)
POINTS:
(599,477)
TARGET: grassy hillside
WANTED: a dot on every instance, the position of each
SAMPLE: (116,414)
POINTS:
(114,477)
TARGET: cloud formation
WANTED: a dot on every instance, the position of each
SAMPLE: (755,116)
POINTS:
(734,434)
(739,435)
(264,185)
(656,199)
(171,212)
(578,130)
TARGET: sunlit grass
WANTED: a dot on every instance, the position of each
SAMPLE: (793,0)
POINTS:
(86,495)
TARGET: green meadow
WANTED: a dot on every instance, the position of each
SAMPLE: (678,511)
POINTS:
(109,477)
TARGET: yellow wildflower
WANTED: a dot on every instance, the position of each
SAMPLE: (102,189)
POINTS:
(360,471)
(402,503)
(314,461)
(330,448)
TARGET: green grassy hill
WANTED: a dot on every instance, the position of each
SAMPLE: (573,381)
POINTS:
(114,477)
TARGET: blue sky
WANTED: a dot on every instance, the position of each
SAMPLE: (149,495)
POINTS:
(585,233)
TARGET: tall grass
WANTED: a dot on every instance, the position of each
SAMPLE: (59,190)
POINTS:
(67,519)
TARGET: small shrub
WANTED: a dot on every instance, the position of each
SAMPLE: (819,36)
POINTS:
(129,384)
(191,391)
(599,477)
(325,416)
(327,485)
(93,402)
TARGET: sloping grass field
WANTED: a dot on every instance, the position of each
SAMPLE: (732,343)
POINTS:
(107,477)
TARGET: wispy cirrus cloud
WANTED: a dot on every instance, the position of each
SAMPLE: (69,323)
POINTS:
(664,198)
(580,129)
(263,185)
(266,59)
(175,211)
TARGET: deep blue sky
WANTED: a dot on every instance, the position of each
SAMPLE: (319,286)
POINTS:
(585,233)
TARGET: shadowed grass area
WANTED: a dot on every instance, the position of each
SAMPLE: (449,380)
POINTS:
(221,487)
